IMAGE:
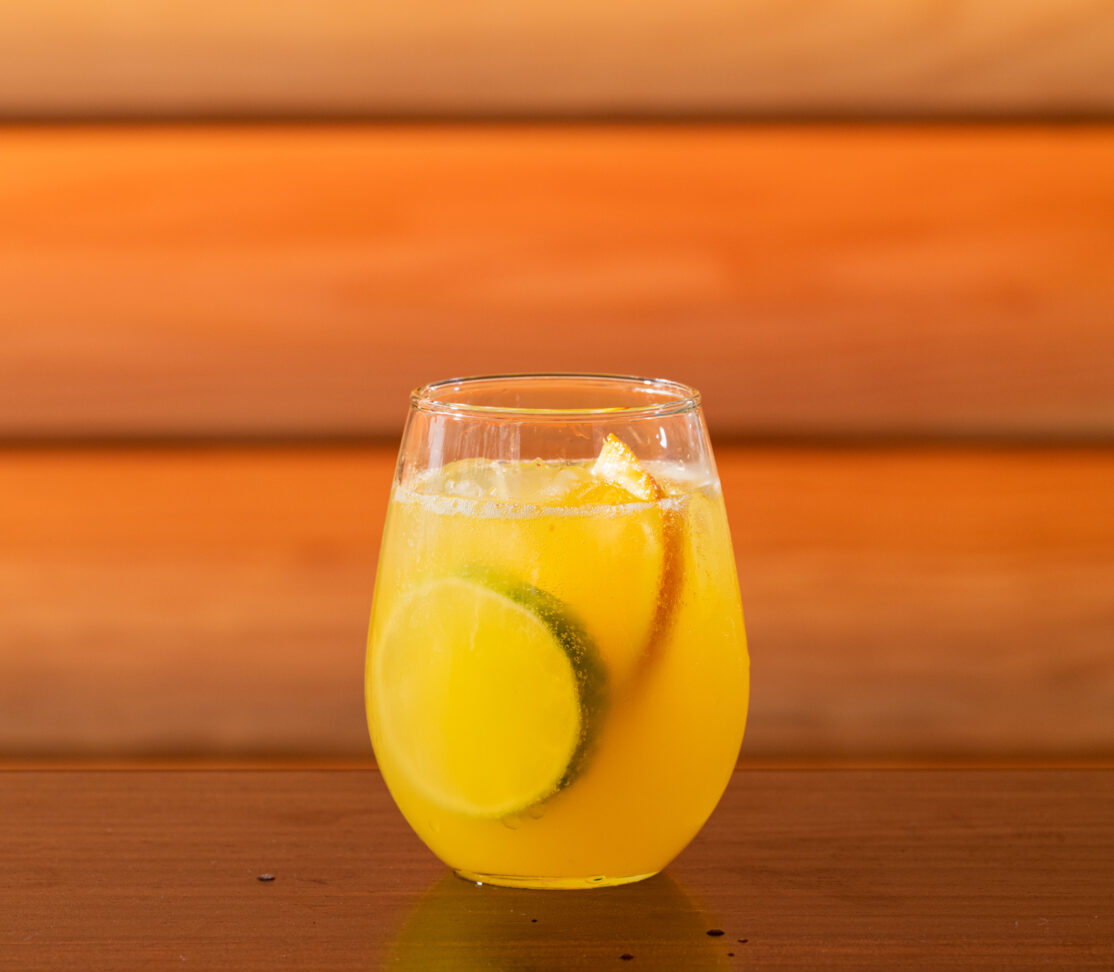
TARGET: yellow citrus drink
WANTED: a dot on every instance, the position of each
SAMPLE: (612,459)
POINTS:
(557,676)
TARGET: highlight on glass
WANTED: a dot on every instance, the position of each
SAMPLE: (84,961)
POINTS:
(557,676)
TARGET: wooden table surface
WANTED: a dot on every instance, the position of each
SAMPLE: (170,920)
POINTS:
(824,868)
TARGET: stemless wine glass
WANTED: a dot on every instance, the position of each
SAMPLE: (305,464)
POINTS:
(557,677)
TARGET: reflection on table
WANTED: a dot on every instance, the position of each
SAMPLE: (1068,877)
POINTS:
(654,924)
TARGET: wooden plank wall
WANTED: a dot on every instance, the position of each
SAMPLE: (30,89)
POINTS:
(912,602)
(904,334)
(768,58)
(812,280)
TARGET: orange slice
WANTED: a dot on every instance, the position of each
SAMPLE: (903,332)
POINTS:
(618,465)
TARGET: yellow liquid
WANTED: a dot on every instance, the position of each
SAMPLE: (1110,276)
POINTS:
(676,672)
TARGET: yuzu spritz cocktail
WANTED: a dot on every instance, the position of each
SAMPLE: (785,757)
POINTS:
(557,676)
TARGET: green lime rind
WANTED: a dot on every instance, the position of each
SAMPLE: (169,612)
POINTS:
(584,657)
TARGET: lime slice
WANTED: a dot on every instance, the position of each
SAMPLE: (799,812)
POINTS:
(486,693)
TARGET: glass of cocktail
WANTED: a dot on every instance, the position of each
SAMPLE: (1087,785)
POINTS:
(557,676)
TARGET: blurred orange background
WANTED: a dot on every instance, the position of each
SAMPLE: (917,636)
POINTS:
(879,238)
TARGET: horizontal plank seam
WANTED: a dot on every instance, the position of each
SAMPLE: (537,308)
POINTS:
(327,440)
(1066,115)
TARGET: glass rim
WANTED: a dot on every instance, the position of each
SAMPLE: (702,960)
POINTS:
(683,398)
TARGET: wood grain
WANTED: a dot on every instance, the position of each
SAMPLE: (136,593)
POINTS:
(66,58)
(810,280)
(949,602)
(819,870)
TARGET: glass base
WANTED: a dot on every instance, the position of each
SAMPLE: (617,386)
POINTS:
(551,883)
